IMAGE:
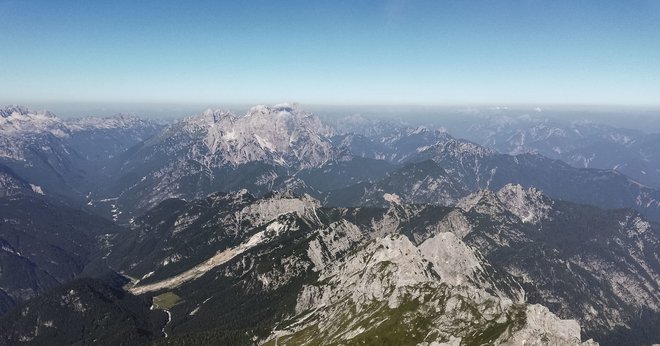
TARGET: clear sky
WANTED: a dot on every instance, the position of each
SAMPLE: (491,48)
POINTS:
(331,52)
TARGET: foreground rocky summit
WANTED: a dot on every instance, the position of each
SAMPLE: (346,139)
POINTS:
(502,267)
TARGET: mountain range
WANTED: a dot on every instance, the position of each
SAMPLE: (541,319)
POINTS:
(279,227)
(579,143)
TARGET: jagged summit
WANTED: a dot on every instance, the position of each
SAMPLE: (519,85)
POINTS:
(209,117)
(264,110)
(279,134)
(117,121)
(276,109)
(19,120)
(19,110)
(12,110)
(469,202)
(282,110)
(453,147)
(529,205)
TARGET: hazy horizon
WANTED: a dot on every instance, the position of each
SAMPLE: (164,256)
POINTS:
(150,109)
(452,117)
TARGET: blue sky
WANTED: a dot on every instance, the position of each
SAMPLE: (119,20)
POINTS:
(331,52)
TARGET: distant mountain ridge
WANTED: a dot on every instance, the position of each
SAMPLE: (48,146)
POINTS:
(134,164)
(579,143)
(64,157)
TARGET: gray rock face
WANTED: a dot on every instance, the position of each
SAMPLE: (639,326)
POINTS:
(575,268)
(351,274)
(440,288)
(528,205)
(219,151)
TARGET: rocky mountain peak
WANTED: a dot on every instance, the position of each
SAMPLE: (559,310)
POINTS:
(529,205)
(209,117)
(12,110)
(459,148)
(279,134)
(450,147)
(18,110)
(481,199)
(117,121)
(18,120)
(278,109)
